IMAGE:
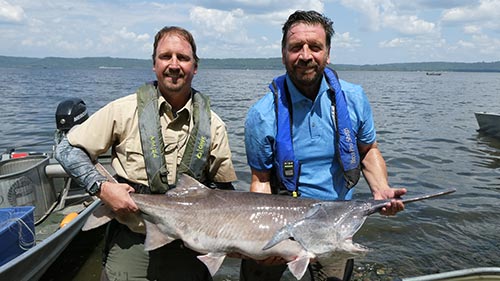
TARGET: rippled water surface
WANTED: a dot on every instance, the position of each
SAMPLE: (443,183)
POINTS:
(426,130)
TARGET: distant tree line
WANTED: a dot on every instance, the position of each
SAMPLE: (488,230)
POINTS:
(428,66)
(240,63)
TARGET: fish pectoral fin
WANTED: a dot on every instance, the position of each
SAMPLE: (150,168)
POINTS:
(298,266)
(100,216)
(212,261)
(289,231)
(154,237)
(280,235)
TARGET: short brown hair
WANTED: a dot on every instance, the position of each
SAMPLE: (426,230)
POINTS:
(179,31)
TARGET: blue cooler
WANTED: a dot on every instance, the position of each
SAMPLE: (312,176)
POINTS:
(17,232)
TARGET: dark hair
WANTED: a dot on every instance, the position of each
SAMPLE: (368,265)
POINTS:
(179,31)
(308,17)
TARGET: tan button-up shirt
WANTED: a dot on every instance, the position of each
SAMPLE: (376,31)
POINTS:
(116,126)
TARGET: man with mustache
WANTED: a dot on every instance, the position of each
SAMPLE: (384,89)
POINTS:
(311,136)
(163,129)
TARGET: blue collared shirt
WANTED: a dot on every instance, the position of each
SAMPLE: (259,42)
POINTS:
(313,137)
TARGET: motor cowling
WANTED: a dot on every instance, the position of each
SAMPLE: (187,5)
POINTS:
(70,112)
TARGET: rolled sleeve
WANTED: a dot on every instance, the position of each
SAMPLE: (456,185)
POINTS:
(360,112)
(260,129)
(95,135)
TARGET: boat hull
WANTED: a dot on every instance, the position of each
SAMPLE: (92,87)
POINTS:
(489,123)
(32,264)
(47,187)
(479,273)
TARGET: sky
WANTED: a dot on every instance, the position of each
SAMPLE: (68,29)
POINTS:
(366,31)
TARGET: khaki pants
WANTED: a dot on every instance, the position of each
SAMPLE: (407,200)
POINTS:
(251,271)
(127,260)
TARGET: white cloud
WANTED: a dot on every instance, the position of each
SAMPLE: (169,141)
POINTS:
(410,25)
(345,40)
(127,35)
(223,34)
(259,7)
(480,25)
(385,14)
(447,30)
(394,43)
(478,44)
(77,29)
(472,29)
(413,31)
(487,9)
(372,10)
(216,22)
(10,13)
(243,28)
(465,44)
(487,45)
(31,43)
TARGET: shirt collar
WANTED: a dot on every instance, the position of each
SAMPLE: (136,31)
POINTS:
(165,107)
(297,96)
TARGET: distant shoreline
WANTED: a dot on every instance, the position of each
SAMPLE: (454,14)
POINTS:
(243,63)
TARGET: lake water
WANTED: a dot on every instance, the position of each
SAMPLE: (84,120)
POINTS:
(426,130)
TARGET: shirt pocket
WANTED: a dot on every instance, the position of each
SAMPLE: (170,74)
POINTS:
(134,157)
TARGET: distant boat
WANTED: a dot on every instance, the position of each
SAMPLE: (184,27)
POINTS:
(110,67)
(433,73)
(489,123)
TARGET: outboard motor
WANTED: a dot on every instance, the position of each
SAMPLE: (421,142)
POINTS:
(69,113)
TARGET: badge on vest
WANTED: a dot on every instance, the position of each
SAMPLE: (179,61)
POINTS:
(288,168)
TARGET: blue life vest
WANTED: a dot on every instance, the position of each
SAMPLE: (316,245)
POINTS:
(286,165)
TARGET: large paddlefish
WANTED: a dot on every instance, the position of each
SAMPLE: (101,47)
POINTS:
(218,222)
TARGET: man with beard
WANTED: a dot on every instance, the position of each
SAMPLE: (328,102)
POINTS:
(311,136)
(163,129)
